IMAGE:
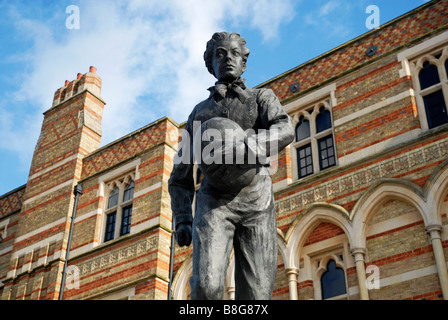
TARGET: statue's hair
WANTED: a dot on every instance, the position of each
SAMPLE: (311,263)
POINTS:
(218,37)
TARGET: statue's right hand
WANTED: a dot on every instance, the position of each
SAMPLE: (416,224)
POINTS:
(184,234)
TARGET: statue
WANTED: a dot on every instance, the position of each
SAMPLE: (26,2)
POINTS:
(235,204)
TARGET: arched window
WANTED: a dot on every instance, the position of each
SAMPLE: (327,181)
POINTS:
(315,147)
(433,98)
(127,210)
(63,94)
(428,76)
(113,198)
(302,129)
(333,281)
(128,191)
(304,154)
(76,88)
(118,214)
(323,120)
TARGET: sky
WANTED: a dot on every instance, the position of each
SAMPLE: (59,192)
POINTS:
(149,55)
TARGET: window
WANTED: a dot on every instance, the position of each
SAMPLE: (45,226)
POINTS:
(431,82)
(333,281)
(63,95)
(110,226)
(129,191)
(118,213)
(434,102)
(326,152)
(3,232)
(302,129)
(315,148)
(113,197)
(305,160)
(428,76)
(126,220)
(329,272)
(435,109)
(323,120)
(76,88)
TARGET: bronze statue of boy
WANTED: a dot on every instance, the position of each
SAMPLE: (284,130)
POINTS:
(241,217)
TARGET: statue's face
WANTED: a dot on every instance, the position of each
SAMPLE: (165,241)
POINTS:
(228,63)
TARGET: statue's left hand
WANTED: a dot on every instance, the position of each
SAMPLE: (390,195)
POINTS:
(184,234)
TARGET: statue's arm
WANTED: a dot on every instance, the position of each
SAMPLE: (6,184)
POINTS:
(279,130)
(181,185)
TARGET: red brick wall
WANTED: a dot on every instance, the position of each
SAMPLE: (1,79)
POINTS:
(343,59)
(323,232)
(400,250)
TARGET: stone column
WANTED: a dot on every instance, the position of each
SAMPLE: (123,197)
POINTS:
(359,254)
(293,274)
(434,232)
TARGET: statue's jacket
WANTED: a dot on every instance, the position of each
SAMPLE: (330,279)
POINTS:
(257,109)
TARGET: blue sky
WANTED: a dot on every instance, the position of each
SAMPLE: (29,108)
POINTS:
(149,56)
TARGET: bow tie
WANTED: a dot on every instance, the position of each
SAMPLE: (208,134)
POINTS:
(237,87)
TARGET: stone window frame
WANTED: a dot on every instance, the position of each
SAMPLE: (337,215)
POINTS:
(106,183)
(310,111)
(121,183)
(412,60)
(319,263)
(125,294)
(3,230)
(416,66)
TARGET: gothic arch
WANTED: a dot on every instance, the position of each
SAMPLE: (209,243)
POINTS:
(182,278)
(380,192)
(305,224)
(323,264)
(282,247)
(435,190)
(322,268)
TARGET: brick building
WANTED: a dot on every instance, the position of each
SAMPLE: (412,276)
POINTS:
(361,195)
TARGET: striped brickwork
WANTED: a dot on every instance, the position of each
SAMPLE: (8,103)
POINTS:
(386,194)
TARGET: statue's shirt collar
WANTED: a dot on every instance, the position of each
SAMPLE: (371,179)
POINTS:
(237,87)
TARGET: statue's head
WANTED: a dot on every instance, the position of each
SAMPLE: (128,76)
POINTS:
(226,56)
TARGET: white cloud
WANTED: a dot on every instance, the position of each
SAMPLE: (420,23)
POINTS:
(331,18)
(329,7)
(148,54)
(19,143)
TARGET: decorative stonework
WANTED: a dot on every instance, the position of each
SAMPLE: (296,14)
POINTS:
(364,177)
(341,59)
(126,148)
(11,202)
(114,256)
